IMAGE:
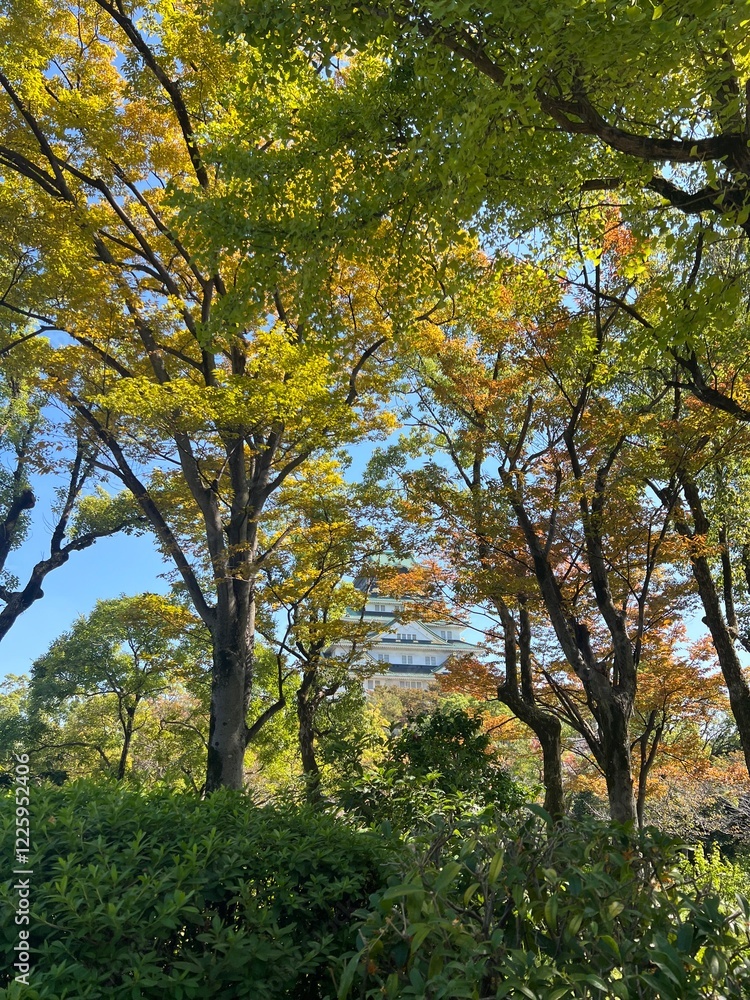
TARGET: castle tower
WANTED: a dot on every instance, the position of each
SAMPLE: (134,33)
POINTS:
(405,653)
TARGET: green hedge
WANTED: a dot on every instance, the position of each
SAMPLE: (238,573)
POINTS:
(164,896)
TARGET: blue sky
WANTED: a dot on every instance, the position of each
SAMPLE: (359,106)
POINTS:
(122,564)
(112,566)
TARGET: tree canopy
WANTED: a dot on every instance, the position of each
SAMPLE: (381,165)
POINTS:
(237,240)
(199,364)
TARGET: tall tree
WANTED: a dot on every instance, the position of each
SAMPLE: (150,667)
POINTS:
(205,362)
(318,630)
(549,435)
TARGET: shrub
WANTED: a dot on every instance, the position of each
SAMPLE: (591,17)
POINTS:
(440,763)
(166,896)
(454,746)
(727,877)
(582,910)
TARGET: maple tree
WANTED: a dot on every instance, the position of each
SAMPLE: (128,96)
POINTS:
(549,440)
(317,630)
(707,452)
(679,695)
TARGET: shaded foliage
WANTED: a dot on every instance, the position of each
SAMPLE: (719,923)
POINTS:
(439,763)
(582,911)
(167,896)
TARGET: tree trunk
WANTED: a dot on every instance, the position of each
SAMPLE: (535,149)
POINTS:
(306,719)
(640,801)
(25,500)
(522,703)
(648,756)
(227,735)
(549,733)
(127,737)
(722,638)
(731,668)
(547,730)
(615,742)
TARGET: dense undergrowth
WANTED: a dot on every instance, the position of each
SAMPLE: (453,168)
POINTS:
(521,908)
(165,896)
